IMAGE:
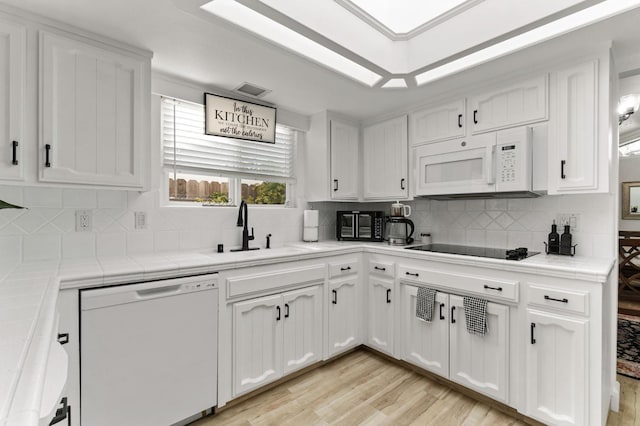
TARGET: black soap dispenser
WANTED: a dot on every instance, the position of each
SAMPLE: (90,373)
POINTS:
(553,245)
(565,242)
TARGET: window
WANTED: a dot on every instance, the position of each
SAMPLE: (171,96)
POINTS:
(631,148)
(214,170)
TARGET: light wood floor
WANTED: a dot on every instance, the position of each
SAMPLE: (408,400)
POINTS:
(364,388)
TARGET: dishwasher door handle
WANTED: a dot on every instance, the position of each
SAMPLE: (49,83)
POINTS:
(159,291)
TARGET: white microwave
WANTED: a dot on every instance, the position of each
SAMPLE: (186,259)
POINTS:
(497,164)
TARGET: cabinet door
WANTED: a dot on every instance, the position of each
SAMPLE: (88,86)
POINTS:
(425,344)
(556,368)
(302,319)
(344,314)
(514,105)
(480,362)
(12,93)
(93,114)
(344,161)
(257,343)
(573,131)
(439,123)
(385,160)
(381,314)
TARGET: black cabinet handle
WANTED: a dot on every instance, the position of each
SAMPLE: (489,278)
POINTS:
(335,297)
(460,120)
(388,295)
(348,268)
(441,313)
(413,275)
(335,184)
(492,288)
(278,309)
(402,184)
(62,413)
(63,338)
(562,175)
(533,337)
(565,300)
(453,310)
(47,149)
(286,310)
(14,155)
(475,116)
(379,269)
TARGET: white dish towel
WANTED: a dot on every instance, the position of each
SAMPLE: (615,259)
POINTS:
(475,314)
(425,300)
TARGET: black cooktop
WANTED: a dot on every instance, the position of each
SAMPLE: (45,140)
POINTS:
(494,253)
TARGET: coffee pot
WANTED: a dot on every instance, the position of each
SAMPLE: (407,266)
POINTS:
(399,231)
(400,210)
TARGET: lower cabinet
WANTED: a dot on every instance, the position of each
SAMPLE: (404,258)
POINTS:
(344,314)
(557,372)
(275,335)
(381,314)
(445,347)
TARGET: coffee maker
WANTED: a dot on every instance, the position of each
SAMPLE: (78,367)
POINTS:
(399,229)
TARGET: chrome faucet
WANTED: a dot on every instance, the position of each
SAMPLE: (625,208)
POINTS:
(243,218)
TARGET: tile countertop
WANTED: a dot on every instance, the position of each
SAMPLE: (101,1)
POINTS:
(28,296)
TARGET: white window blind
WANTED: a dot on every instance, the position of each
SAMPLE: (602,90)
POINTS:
(186,148)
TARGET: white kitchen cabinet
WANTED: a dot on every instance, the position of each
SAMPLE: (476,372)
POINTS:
(510,105)
(381,314)
(556,365)
(12,99)
(344,160)
(480,363)
(443,122)
(385,160)
(69,334)
(344,314)
(425,344)
(574,131)
(94,113)
(275,335)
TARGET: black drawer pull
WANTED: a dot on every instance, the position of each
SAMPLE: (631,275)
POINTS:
(475,116)
(562,175)
(278,309)
(379,269)
(335,297)
(402,187)
(62,413)
(14,149)
(533,328)
(460,120)
(388,295)
(413,275)
(335,184)
(47,149)
(565,300)
(286,310)
(492,288)
(441,314)
(348,268)
(63,338)
(453,319)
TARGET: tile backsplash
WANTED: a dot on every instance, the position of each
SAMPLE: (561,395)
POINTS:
(46,230)
(505,223)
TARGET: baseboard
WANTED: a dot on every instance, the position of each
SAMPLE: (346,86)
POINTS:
(615,397)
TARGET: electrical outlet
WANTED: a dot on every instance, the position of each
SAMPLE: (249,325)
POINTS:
(83,221)
(570,219)
(140,220)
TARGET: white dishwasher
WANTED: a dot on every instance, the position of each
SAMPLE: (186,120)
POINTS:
(148,352)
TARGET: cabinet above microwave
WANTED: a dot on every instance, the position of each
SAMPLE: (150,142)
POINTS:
(490,165)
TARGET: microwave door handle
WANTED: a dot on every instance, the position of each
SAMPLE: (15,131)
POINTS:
(491,169)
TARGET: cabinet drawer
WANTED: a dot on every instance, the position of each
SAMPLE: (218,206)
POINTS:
(559,299)
(257,283)
(343,268)
(477,285)
(382,268)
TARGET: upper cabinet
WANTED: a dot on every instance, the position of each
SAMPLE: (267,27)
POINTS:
(439,123)
(578,160)
(509,106)
(332,158)
(12,99)
(94,113)
(385,160)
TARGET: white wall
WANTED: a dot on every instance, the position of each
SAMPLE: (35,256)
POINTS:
(629,172)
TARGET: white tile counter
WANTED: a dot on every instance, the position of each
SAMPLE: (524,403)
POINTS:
(28,296)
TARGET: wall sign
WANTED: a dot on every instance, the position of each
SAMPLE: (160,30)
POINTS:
(237,119)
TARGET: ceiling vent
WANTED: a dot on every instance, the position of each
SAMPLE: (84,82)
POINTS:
(251,90)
